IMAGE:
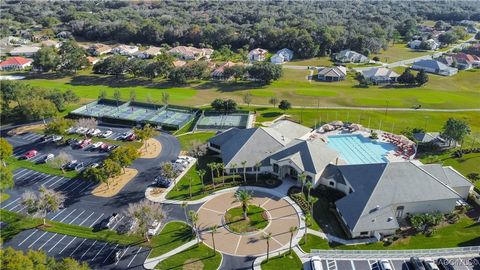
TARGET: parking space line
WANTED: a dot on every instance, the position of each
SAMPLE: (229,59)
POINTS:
(96,220)
(67,245)
(87,218)
(77,247)
(71,222)
(353,265)
(78,186)
(391,263)
(47,241)
(58,213)
(88,249)
(116,224)
(108,256)
(134,257)
(11,209)
(122,255)
(20,171)
(99,251)
(31,176)
(24,174)
(37,240)
(89,185)
(73,182)
(37,157)
(17,211)
(34,231)
(56,181)
(51,178)
(68,215)
(406,264)
(5,206)
(59,241)
(34,180)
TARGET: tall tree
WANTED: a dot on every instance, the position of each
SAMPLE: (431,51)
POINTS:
(244,163)
(268,236)
(165,97)
(292,232)
(193,217)
(144,134)
(46,59)
(247,98)
(145,213)
(284,105)
(72,57)
(111,169)
(6,178)
(273,101)
(58,126)
(455,130)
(421,78)
(258,164)
(201,175)
(133,95)
(406,77)
(47,201)
(213,231)
(6,150)
(244,197)
(124,155)
(265,72)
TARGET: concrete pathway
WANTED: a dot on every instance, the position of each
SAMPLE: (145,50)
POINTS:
(150,263)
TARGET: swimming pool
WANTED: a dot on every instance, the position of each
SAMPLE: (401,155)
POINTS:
(356,149)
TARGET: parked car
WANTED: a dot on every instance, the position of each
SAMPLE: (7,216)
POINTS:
(72,130)
(108,222)
(46,138)
(30,154)
(70,165)
(127,226)
(154,228)
(94,165)
(125,135)
(316,263)
(417,263)
(444,264)
(112,147)
(96,132)
(117,255)
(56,138)
(162,182)
(72,142)
(107,133)
(430,265)
(384,265)
(96,145)
(85,143)
(90,131)
(104,147)
(48,157)
(132,137)
(80,166)
(82,130)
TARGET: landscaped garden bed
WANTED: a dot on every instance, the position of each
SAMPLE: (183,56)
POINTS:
(257,219)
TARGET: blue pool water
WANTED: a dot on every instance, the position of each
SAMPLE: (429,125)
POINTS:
(356,149)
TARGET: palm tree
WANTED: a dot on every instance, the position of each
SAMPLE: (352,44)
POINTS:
(201,174)
(190,186)
(213,231)
(302,177)
(211,166)
(309,186)
(194,219)
(244,163)
(234,168)
(292,231)
(267,237)
(184,206)
(244,197)
(307,219)
(222,167)
(257,170)
(217,168)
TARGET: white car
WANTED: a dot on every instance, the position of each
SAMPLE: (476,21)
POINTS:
(82,130)
(96,132)
(154,228)
(96,145)
(48,158)
(72,130)
(107,133)
(125,135)
(56,138)
(430,265)
(316,263)
(384,265)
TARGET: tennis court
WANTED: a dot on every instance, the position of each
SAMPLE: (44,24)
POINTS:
(216,121)
(173,117)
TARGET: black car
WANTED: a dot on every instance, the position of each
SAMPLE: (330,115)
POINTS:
(71,141)
(164,183)
(46,138)
(417,263)
(108,222)
(444,264)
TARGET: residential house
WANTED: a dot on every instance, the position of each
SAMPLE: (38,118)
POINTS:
(429,44)
(434,138)
(465,61)
(332,74)
(27,51)
(179,63)
(380,196)
(151,52)
(380,75)
(51,43)
(435,67)
(471,29)
(125,50)
(257,54)
(190,53)
(64,34)
(92,60)
(348,56)
(447,60)
(283,55)
(15,63)
(99,49)
(217,74)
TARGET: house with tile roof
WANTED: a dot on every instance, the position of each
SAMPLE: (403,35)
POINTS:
(15,63)
(190,53)
(217,74)
(151,52)
(332,74)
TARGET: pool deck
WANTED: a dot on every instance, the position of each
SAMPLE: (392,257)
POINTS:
(390,156)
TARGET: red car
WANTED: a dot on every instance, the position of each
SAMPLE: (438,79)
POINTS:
(131,137)
(30,154)
(85,142)
(104,147)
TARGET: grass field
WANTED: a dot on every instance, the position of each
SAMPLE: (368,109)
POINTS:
(173,235)
(398,52)
(14,163)
(459,91)
(255,220)
(285,261)
(197,257)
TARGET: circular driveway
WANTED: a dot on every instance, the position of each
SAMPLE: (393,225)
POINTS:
(282,217)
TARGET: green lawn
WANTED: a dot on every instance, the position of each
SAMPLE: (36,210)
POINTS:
(313,242)
(4,196)
(255,219)
(398,52)
(287,260)
(187,139)
(316,61)
(173,235)
(16,224)
(456,91)
(14,163)
(197,257)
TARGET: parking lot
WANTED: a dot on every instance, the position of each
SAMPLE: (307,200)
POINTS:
(343,264)
(99,255)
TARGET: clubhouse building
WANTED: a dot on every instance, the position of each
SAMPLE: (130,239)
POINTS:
(378,195)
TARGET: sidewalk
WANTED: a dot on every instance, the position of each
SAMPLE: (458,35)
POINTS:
(150,263)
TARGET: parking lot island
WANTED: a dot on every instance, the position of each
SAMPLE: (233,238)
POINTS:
(150,149)
(115,184)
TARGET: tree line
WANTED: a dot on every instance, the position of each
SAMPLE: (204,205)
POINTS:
(68,58)
(314,29)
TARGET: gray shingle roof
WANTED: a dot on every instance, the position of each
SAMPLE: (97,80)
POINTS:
(312,156)
(425,137)
(290,129)
(447,175)
(381,186)
(224,136)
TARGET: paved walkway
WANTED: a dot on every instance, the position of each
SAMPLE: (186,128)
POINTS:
(150,263)
(332,238)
